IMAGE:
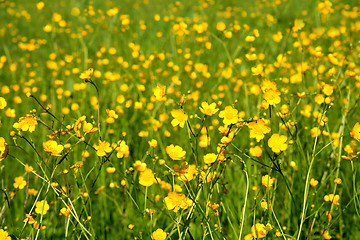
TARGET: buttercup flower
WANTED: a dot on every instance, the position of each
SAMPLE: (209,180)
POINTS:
(210,158)
(41,207)
(267,181)
(102,148)
(277,143)
(258,129)
(19,183)
(159,234)
(259,230)
(179,118)
(27,123)
(159,93)
(207,109)
(272,96)
(147,178)
(175,201)
(87,74)
(175,152)
(4,149)
(53,148)
(229,115)
(3,103)
(4,235)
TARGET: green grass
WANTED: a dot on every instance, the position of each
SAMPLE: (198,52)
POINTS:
(158,55)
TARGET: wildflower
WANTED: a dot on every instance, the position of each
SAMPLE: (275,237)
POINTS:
(355,132)
(53,148)
(147,178)
(210,158)
(267,181)
(272,96)
(229,115)
(27,123)
(207,109)
(87,74)
(89,128)
(4,235)
(258,129)
(179,118)
(313,182)
(332,198)
(338,181)
(256,151)
(3,103)
(152,143)
(111,114)
(4,149)
(102,148)
(131,226)
(326,235)
(41,207)
(258,230)
(298,25)
(265,204)
(175,201)
(19,182)
(122,150)
(328,89)
(277,143)
(186,172)
(159,234)
(65,211)
(159,93)
(175,152)
(29,219)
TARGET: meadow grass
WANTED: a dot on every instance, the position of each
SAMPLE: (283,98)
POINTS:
(179,119)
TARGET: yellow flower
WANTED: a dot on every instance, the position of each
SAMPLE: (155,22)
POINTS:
(122,150)
(27,123)
(267,181)
(159,234)
(147,178)
(175,152)
(272,96)
(77,126)
(179,118)
(210,158)
(89,128)
(4,149)
(326,235)
(65,211)
(53,148)
(328,89)
(256,151)
(313,182)
(229,115)
(152,143)
(139,166)
(87,74)
(258,129)
(207,109)
(111,114)
(332,198)
(41,207)
(355,132)
(102,148)
(19,182)
(277,143)
(175,201)
(259,230)
(298,25)
(4,235)
(159,93)
(3,103)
